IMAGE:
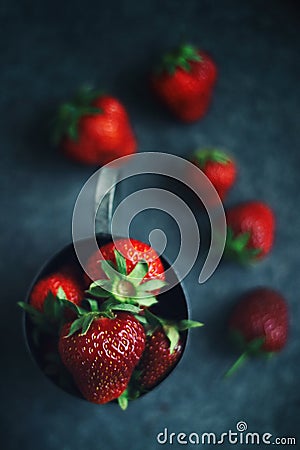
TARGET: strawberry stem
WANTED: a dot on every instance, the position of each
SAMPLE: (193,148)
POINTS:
(239,362)
(253,347)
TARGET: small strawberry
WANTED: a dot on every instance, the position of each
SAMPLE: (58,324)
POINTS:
(163,350)
(133,251)
(259,324)
(94,128)
(52,283)
(102,356)
(157,360)
(219,168)
(185,82)
(250,231)
(51,306)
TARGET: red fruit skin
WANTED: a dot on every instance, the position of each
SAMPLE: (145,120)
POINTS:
(222,176)
(52,283)
(102,360)
(157,361)
(133,250)
(102,137)
(258,219)
(187,93)
(262,313)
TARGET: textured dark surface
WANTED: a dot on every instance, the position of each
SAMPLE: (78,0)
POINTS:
(48,49)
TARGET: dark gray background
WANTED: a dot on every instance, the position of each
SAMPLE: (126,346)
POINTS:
(48,49)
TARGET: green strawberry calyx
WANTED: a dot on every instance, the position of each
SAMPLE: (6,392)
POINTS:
(237,247)
(85,317)
(179,58)
(126,288)
(69,113)
(203,156)
(171,328)
(248,348)
(53,317)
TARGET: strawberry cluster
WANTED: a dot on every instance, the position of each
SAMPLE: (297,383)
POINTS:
(259,322)
(107,336)
(103,333)
(94,128)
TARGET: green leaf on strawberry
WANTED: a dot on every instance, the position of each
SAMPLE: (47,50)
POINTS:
(53,315)
(69,114)
(123,287)
(238,247)
(171,328)
(203,156)
(179,58)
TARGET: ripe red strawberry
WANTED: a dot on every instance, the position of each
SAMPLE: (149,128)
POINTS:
(259,323)
(185,82)
(94,129)
(218,167)
(52,283)
(133,251)
(250,232)
(157,361)
(164,347)
(103,358)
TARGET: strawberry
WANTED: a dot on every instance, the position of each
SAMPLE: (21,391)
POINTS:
(94,128)
(72,290)
(102,358)
(163,350)
(133,251)
(185,82)
(259,323)
(250,232)
(219,168)
(54,300)
(157,360)
(115,281)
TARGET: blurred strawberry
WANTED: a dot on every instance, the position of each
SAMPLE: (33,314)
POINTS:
(185,81)
(94,128)
(219,168)
(259,324)
(250,232)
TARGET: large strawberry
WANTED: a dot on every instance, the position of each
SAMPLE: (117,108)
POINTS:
(250,232)
(218,167)
(101,353)
(125,254)
(94,128)
(259,323)
(184,82)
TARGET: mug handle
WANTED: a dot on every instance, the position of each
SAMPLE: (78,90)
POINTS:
(108,176)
